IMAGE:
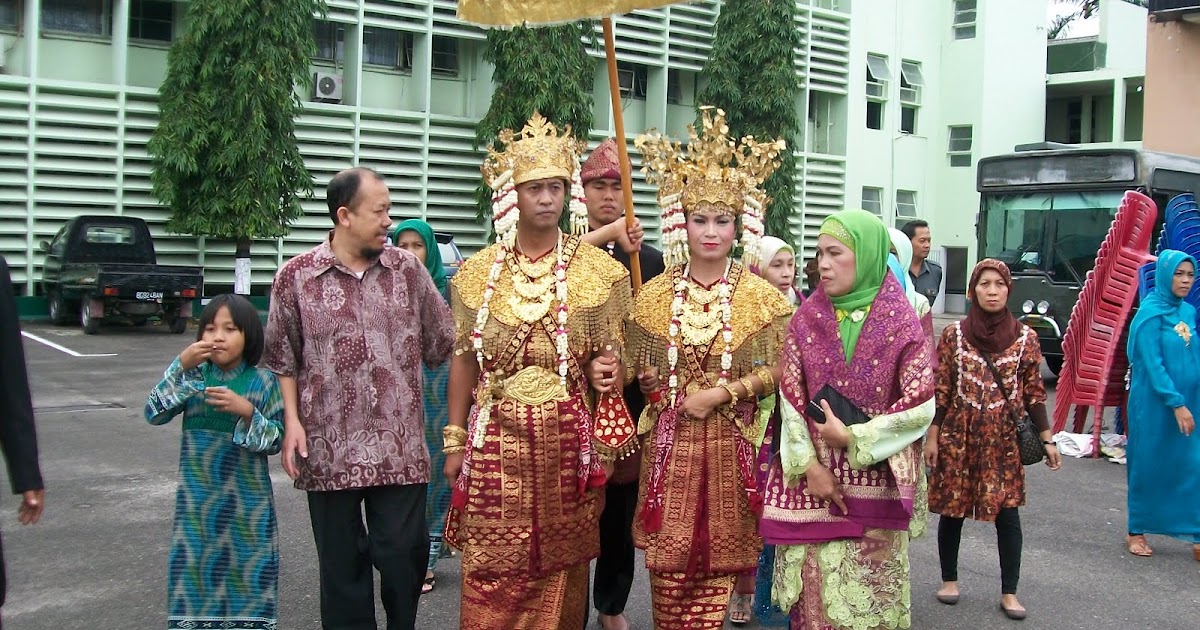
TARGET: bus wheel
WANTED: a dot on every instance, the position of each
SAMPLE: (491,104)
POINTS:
(1055,364)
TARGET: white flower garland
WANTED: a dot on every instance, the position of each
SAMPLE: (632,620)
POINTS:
(578,205)
(481,318)
(674,230)
(726,293)
(752,231)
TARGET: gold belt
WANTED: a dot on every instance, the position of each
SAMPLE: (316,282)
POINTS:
(533,385)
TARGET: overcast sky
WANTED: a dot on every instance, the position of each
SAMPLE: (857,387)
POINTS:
(1078,28)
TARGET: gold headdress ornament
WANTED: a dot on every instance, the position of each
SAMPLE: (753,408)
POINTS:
(716,172)
(537,152)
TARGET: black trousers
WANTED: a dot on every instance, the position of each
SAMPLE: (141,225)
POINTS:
(1008,541)
(614,567)
(394,539)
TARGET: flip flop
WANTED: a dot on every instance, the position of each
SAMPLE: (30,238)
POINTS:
(1138,546)
(428,584)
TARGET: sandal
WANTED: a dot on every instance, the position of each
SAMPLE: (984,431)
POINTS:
(1137,545)
(428,584)
(739,609)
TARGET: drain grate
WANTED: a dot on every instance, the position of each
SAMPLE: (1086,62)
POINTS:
(81,408)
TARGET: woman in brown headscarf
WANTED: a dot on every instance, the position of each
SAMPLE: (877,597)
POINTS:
(972,445)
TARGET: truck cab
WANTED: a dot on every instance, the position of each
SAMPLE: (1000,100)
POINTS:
(104,268)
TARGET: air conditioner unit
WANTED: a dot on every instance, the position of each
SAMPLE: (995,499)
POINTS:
(625,80)
(327,87)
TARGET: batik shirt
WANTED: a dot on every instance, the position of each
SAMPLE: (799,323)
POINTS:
(355,347)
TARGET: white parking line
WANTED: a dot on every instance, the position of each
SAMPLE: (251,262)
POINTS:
(64,349)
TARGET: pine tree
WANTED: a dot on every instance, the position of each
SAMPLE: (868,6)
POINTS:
(543,69)
(225,158)
(750,74)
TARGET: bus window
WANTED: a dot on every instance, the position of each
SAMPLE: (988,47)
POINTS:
(1014,229)
(1081,221)
(1055,233)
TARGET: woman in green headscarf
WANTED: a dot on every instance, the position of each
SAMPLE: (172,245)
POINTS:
(416,236)
(839,498)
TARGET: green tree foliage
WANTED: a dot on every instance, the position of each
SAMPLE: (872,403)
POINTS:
(224,153)
(750,74)
(544,69)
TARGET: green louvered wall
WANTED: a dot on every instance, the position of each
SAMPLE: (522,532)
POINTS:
(70,147)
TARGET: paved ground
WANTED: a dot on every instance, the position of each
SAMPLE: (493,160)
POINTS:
(98,558)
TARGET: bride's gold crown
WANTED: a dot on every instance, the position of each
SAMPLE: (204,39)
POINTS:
(716,173)
(537,152)
(715,170)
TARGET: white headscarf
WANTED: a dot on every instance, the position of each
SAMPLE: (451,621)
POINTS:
(904,254)
(768,248)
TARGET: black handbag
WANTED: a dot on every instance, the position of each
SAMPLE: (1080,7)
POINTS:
(842,407)
(1029,444)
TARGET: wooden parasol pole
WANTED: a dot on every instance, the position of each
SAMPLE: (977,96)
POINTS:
(614,89)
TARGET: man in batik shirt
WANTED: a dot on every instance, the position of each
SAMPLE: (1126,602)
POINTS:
(351,322)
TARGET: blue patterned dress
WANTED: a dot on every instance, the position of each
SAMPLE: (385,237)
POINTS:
(433,393)
(224,563)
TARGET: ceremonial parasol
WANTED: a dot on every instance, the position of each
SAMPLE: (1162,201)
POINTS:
(504,13)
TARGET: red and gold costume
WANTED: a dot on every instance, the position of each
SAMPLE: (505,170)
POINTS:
(699,502)
(525,507)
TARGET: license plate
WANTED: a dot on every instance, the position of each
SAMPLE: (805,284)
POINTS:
(148,295)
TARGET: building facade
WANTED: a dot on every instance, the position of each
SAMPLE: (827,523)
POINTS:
(900,99)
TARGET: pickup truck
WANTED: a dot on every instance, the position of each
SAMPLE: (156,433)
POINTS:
(102,268)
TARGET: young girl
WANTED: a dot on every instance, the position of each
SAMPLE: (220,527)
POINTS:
(224,563)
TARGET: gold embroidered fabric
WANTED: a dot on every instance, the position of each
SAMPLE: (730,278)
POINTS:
(598,299)
(518,12)
(702,482)
(760,315)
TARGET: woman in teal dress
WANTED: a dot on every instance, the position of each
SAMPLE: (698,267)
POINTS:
(224,564)
(1164,455)
(416,236)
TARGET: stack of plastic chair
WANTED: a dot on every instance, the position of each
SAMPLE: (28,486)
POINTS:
(1181,231)
(1146,277)
(1093,374)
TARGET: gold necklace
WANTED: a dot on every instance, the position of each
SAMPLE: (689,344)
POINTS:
(699,323)
(699,295)
(693,326)
(533,287)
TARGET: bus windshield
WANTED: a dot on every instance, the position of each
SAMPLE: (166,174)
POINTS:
(1053,233)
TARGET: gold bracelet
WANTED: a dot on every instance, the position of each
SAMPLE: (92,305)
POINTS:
(732,395)
(764,373)
(454,450)
(745,381)
(453,436)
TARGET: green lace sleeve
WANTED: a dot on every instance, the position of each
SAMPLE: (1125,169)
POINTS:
(883,436)
(796,452)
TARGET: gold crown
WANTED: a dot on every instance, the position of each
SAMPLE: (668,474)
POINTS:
(715,170)
(537,152)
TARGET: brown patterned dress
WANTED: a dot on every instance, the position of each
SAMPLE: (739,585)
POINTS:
(978,468)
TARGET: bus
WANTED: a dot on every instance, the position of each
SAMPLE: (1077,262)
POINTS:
(1044,211)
